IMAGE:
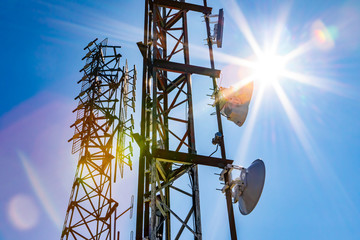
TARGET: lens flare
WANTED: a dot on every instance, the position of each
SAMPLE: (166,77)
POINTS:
(40,190)
(324,37)
(23,212)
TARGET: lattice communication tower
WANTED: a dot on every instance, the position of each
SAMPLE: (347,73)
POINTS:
(168,161)
(168,154)
(102,127)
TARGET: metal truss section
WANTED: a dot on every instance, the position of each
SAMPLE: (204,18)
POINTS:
(92,212)
(168,163)
(168,124)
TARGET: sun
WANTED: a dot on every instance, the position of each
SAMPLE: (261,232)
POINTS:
(278,63)
(268,68)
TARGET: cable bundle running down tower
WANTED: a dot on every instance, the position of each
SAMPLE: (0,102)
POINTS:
(92,212)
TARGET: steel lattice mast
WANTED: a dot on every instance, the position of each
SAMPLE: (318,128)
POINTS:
(92,212)
(168,161)
(167,142)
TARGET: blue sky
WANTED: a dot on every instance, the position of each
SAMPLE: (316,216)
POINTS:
(305,126)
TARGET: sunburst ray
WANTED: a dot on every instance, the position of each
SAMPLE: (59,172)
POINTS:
(242,23)
(248,131)
(319,82)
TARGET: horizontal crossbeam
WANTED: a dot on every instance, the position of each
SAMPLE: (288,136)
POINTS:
(188,158)
(183,6)
(185,68)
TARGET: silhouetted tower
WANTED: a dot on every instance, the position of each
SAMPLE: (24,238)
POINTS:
(167,140)
(102,120)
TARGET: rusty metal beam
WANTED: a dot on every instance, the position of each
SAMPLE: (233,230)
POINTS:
(173,20)
(186,158)
(185,68)
(173,85)
(183,6)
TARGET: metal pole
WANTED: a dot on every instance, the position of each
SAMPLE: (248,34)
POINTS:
(222,145)
(140,197)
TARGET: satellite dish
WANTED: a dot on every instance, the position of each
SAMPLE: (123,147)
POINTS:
(234,102)
(253,179)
